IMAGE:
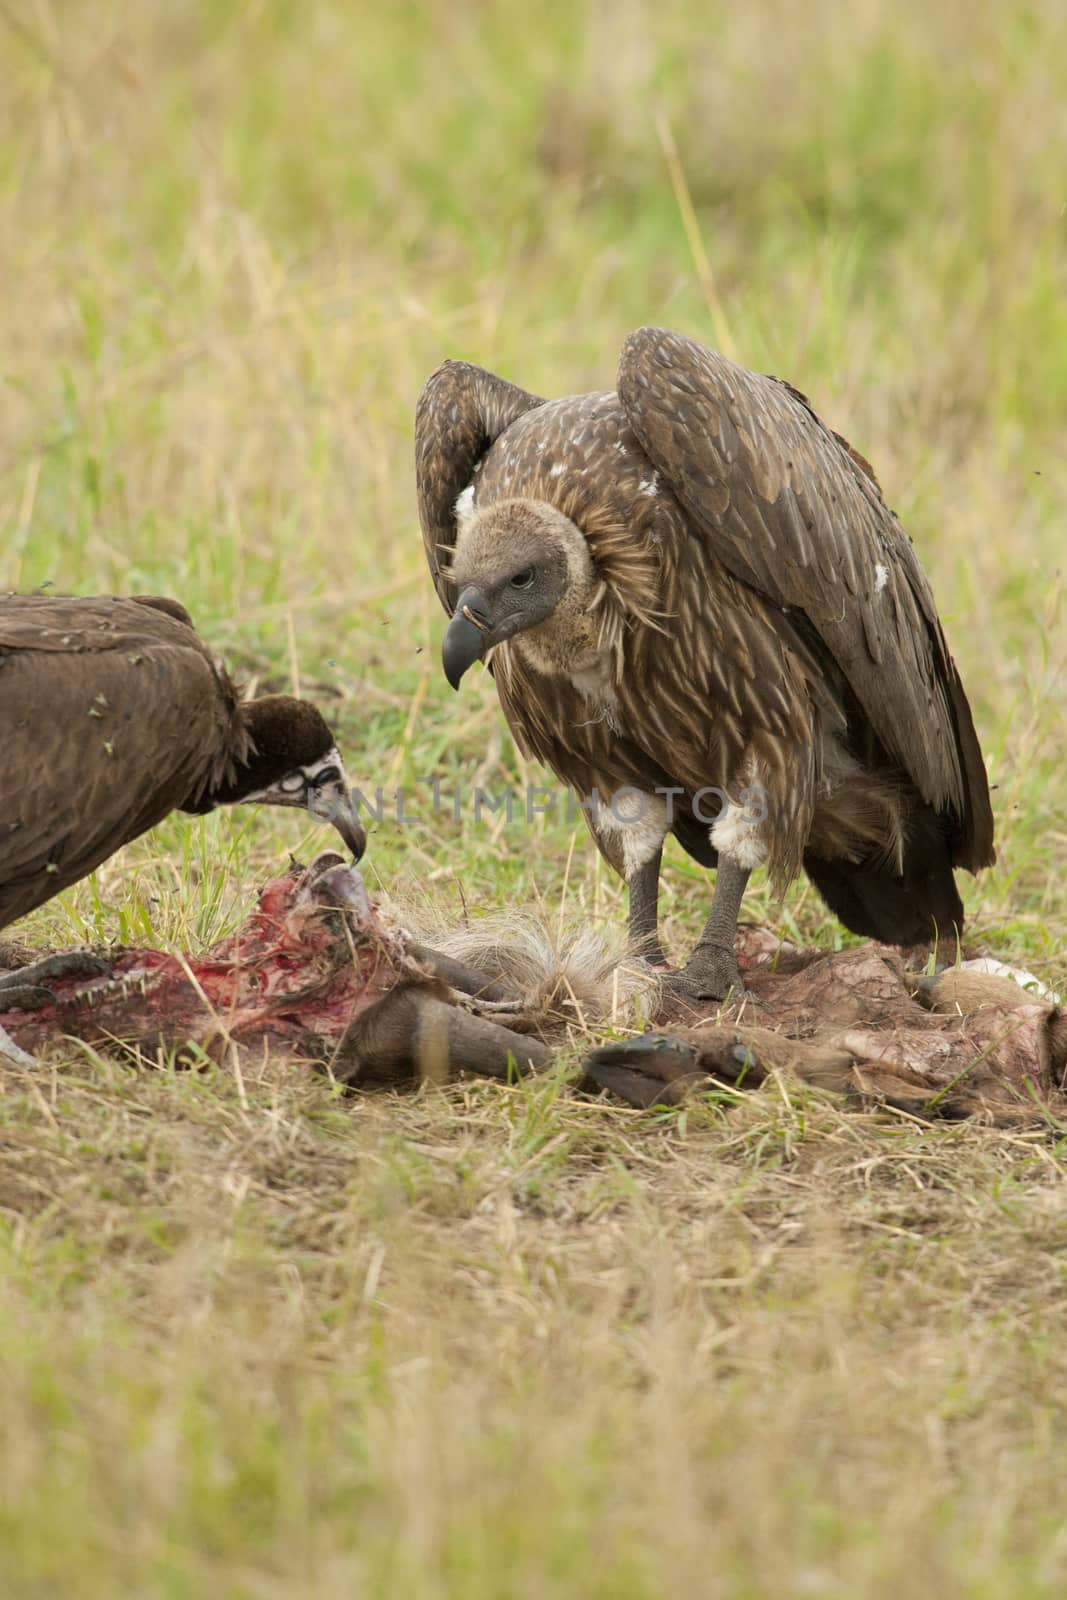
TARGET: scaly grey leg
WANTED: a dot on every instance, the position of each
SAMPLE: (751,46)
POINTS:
(712,972)
(644,911)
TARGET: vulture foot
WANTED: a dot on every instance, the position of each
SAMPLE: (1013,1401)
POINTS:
(711,973)
(651,952)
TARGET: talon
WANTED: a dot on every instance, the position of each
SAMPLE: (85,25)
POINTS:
(712,973)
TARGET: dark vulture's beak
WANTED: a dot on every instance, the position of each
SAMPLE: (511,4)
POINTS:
(333,802)
(466,636)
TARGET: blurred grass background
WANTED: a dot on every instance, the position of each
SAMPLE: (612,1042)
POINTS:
(234,240)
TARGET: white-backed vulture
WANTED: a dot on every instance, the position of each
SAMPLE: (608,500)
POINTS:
(113,712)
(692,588)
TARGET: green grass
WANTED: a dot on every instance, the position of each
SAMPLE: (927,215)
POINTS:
(259,1340)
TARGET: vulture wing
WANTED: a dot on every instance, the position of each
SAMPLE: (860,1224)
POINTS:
(793,512)
(111,714)
(161,602)
(461,412)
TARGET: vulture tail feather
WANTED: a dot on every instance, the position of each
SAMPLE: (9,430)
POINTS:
(915,906)
(973,845)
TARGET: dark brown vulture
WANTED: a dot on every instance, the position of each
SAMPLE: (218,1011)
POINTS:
(113,712)
(699,610)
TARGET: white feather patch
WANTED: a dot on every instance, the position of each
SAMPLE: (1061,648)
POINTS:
(464,506)
(881,577)
(639,822)
(738,838)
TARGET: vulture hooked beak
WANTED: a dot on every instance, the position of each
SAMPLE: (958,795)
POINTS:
(322,790)
(332,802)
(467,635)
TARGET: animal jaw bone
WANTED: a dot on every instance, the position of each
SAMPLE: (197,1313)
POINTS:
(10,1051)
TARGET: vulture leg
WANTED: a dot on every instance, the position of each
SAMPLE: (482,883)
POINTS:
(712,972)
(644,911)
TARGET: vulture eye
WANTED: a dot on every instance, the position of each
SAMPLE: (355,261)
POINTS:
(523,579)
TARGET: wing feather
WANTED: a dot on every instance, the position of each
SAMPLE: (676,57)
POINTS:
(789,509)
(103,732)
(461,411)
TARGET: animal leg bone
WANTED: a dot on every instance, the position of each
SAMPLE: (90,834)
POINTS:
(412,1034)
(487,1008)
(476,1044)
(654,1069)
(467,981)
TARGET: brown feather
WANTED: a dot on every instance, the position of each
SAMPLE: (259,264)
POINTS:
(462,411)
(114,712)
(829,527)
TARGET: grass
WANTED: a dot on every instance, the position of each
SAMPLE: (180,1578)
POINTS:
(258,1340)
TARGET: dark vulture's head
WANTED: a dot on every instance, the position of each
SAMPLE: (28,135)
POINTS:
(292,760)
(520,567)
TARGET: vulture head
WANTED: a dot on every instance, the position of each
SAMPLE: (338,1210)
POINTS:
(291,760)
(520,567)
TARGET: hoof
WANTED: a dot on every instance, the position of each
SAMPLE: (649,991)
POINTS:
(644,1051)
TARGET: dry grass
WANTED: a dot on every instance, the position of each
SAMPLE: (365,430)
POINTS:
(259,1340)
